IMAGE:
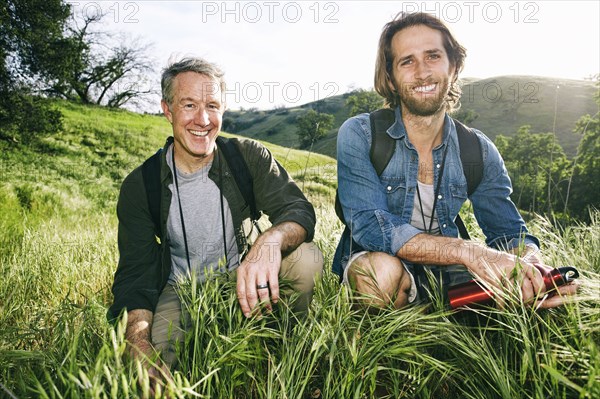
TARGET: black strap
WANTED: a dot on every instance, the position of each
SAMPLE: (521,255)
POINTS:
(185,241)
(472,163)
(240,172)
(237,165)
(470,156)
(221,203)
(382,145)
(151,176)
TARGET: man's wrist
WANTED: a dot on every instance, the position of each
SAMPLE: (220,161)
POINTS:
(471,253)
(139,346)
(532,253)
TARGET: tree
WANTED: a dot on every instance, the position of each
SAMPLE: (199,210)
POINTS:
(312,126)
(25,28)
(361,101)
(97,67)
(583,191)
(46,49)
(537,165)
(465,116)
(63,53)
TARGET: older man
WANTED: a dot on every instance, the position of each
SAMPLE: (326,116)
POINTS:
(204,218)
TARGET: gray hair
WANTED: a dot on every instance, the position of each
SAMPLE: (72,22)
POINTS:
(189,64)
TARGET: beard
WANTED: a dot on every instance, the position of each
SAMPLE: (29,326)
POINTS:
(417,105)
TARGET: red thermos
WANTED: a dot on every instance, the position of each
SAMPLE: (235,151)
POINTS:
(472,292)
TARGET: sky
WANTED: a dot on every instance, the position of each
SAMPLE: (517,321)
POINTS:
(286,53)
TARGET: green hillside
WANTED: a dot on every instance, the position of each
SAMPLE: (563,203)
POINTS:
(101,146)
(503,104)
(506,103)
(279,125)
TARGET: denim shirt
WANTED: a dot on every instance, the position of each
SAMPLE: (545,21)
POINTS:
(378,209)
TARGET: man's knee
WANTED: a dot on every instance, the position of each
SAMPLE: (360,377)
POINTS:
(380,279)
(302,267)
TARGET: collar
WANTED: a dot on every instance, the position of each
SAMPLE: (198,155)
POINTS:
(398,130)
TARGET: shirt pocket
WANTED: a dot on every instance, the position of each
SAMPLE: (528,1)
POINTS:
(395,193)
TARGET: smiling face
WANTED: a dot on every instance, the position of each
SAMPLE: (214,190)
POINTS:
(196,114)
(421,70)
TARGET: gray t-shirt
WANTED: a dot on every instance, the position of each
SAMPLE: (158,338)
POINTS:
(417,217)
(201,207)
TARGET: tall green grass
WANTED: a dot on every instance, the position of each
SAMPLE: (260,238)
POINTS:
(58,255)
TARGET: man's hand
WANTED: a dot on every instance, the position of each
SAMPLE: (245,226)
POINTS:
(494,267)
(529,271)
(159,376)
(258,274)
(139,347)
(500,269)
(558,297)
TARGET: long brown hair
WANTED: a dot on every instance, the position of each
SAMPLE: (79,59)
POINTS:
(385,57)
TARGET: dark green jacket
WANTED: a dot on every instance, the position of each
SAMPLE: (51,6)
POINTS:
(145,262)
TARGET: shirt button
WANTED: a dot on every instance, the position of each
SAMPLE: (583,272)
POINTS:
(444,225)
(440,196)
(389,188)
(438,166)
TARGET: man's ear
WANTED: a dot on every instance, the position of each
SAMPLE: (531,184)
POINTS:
(166,110)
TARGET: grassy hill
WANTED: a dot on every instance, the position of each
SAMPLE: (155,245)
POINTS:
(98,147)
(58,254)
(503,104)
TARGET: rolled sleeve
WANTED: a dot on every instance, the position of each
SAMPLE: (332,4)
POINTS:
(362,196)
(398,234)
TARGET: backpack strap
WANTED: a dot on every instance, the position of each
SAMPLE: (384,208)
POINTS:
(240,172)
(472,164)
(382,145)
(151,176)
(470,156)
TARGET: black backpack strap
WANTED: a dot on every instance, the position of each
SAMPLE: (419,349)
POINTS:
(338,208)
(240,172)
(470,156)
(382,145)
(151,176)
(472,164)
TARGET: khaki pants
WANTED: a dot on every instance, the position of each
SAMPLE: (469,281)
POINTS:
(301,267)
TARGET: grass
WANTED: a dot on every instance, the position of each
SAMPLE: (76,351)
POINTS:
(58,255)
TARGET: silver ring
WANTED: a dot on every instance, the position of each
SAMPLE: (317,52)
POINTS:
(262,286)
